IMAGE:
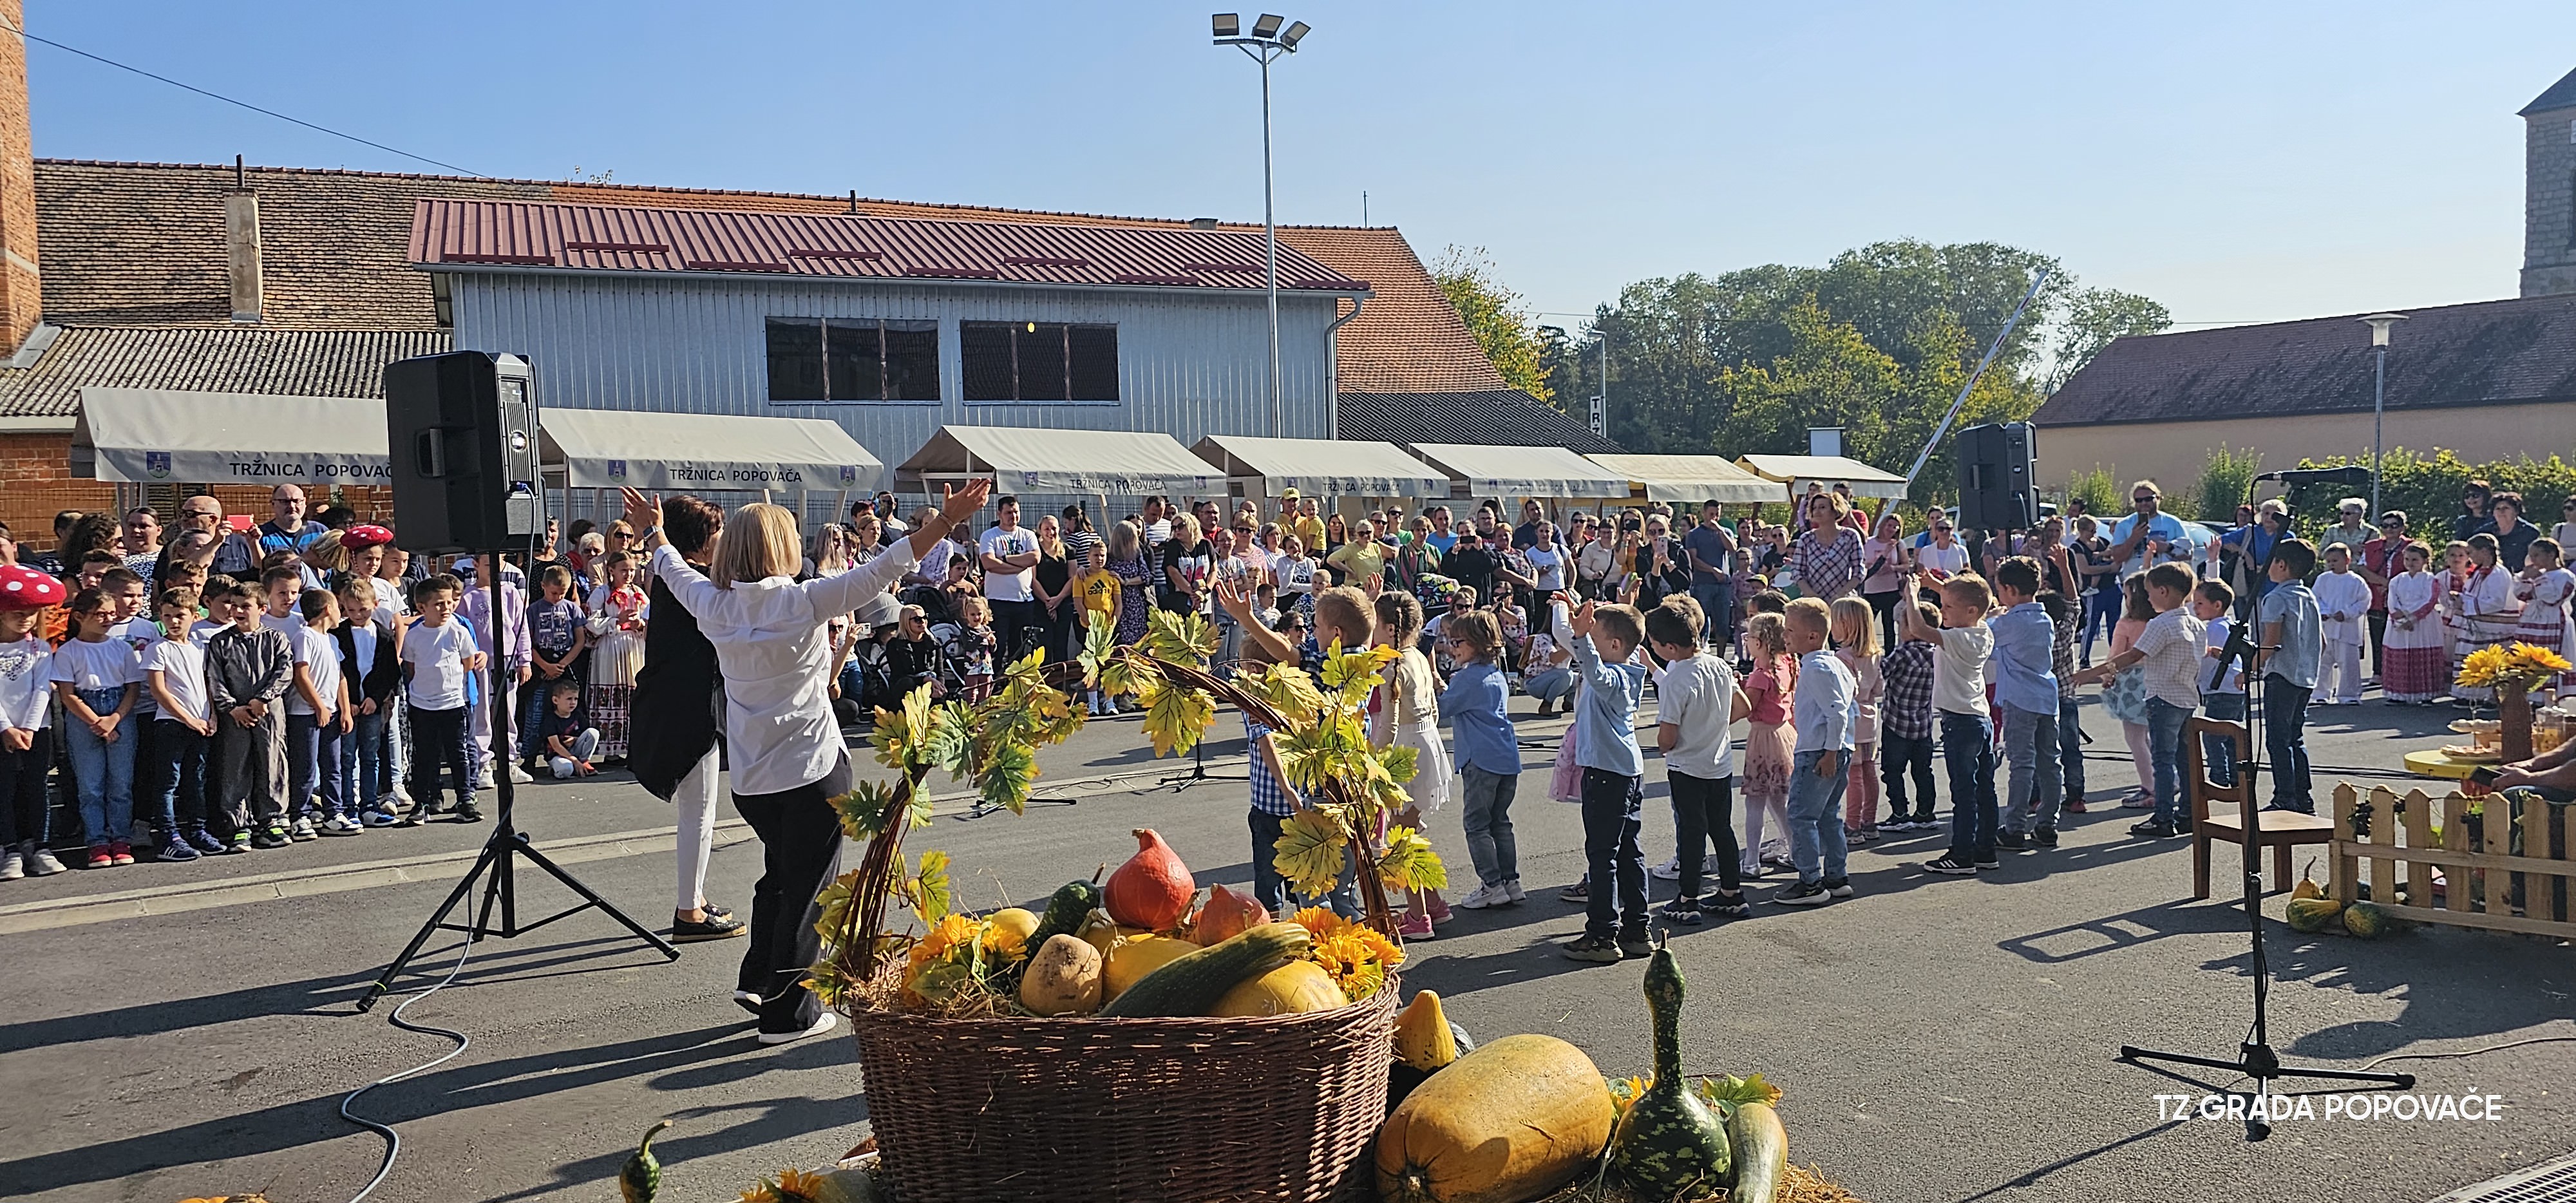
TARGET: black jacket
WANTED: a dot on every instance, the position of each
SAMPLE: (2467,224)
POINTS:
(672,721)
(378,680)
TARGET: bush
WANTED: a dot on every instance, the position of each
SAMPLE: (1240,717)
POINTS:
(2099,491)
(2224,485)
(2428,489)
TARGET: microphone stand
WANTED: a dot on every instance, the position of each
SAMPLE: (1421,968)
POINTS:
(2255,1057)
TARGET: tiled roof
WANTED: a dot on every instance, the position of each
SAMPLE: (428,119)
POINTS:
(1500,417)
(2488,353)
(595,237)
(2561,95)
(220,359)
(142,244)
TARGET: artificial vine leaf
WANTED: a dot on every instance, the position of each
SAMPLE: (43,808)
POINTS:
(867,809)
(1408,863)
(1099,645)
(829,984)
(950,742)
(898,735)
(1401,761)
(1354,674)
(1288,689)
(835,904)
(1176,716)
(1004,777)
(1182,637)
(1310,849)
(1128,675)
(929,888)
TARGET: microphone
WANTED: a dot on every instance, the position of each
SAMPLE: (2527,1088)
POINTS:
(2353,475)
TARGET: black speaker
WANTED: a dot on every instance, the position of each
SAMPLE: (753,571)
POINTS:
(1997,470)
(462,428)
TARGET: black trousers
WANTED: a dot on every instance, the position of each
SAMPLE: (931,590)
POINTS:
(1704,812)
(800,837)
(1012,621)
(22,790)
(1897,756)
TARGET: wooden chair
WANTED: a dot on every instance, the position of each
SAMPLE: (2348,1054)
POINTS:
(2279,830)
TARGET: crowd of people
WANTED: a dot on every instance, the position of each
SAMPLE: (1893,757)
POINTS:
(235,687)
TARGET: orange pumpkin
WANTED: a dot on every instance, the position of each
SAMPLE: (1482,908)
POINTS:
(1153,889)
(1226,915)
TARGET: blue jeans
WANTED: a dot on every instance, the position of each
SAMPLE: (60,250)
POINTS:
(2285,736)
(103,771)
(183,755)
(2070,747)
(1968,749)
(331,770)
(2221,753)
(1488,825)
(2034,789)
(363,761)
(1550,685)
(1611,802)
(2101,613)
(2164,753)
(1717,604)
(1816,842)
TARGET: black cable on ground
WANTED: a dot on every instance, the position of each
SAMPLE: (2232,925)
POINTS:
(393,1139)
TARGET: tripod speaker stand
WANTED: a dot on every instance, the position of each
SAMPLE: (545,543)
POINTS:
(496,868)
(2255,1058)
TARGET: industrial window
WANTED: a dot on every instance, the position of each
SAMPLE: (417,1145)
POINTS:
(1039,361)
(846,360)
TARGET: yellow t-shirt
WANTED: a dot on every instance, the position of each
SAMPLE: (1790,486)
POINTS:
(1310,531)
(1099,592)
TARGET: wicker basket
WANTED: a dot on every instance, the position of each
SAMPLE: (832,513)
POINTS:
(1193,1110)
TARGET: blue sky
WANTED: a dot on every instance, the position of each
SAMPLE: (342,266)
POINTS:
(2240,162)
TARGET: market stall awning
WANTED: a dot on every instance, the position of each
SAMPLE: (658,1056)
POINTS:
(1687,480)
(1828,470)
(1523,471)
(1106,462)
(1321,467)
(605,448)
(146,436)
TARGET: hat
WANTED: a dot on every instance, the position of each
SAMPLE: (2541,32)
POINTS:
(23,588)
(878,610)
(2396,516)
(366,534)
(1289,494)
(2352,503)
(463,564)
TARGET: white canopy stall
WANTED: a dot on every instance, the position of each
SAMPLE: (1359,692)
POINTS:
(1101,463)
(669,452)
(171,436)
(1267,467)
(1498,472)
(1797,471)
(1688,480)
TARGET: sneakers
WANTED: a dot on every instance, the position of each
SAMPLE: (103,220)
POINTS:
(1416,927)
(1636,945)
(1681,910)
(1580,891)
(466,812)
(420,814)
(2152,827)
(241,843)
(748,1001)
(99,858)
(1597,950)
(519,776)
(341,825)
(2074,803)
(1839,887)
(1513,891)
(1951,866)
(1484,896)
(483,777)
(12,866)
(204,841)
(1670,870)
(1724,907)
(2010,841)
(120,852)
(402,793)
(2044,837)
(1780,864)
(713,927)
(272,837)
(823,1023)
(2137,799)
(1988,863)
(176,849)
(379,817)
(301,830)
(1805,893)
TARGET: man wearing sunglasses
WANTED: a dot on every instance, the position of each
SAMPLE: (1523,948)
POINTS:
(2150,536)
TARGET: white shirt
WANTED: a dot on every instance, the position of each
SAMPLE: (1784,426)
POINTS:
(320,655)
(437,658)
(106,664)
(389,602)
(1698,696)
(1959,668)
(26,685)
(2342,593)
(1948,561)
(776,655)
(1548,565)
(182,665)
(140,634)
(1003,544)
(2214,637)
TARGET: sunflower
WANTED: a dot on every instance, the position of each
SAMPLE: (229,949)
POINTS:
(1003,944)
(799,1185)
(2526,664)
(1353,953)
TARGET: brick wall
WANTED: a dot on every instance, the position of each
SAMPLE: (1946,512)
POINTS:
(37,468)
(21,295)
(2549,204)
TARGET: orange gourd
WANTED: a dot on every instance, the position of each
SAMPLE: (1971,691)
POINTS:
(1153,889)
(1227,915)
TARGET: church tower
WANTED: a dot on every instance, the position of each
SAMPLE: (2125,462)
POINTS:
(2549,191)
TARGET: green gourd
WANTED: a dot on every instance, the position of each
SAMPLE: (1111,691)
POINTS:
(1065,912)
(643,1173)
(1192,984)
(1669,1141)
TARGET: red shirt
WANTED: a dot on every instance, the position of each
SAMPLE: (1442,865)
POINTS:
(2387,557)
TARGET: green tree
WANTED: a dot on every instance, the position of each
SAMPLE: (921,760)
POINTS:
(2093,317)
(1495,316)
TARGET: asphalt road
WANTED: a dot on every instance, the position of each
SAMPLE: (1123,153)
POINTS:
(189,1030)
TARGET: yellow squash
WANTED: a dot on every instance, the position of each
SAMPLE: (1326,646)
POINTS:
(1423,1040)
(1295,988)
(1513,1121)
(1136,956)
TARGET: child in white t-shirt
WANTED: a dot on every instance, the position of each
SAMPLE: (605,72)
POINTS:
(26,719)
(439,656)
(331,718)
(183,730)
(1696,701)
(96,679)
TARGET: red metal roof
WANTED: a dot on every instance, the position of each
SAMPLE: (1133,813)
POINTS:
(612,238)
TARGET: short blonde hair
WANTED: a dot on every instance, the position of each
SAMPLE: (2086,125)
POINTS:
(1853,614)
(759,542)
(1969,589)
(1810,614)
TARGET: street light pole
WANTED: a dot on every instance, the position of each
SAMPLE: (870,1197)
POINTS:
(2379,324)
(1264,45)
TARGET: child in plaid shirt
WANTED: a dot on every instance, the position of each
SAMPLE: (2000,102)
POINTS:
(2064,612)
(1905,728)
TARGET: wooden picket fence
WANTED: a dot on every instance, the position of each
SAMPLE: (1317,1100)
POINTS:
(2405,838)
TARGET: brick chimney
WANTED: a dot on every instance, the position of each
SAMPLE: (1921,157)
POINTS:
(241,245)
(22,301)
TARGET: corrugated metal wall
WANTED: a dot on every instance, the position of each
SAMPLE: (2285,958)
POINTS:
(1188,365)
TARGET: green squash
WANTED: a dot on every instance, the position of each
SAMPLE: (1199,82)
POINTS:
(1669,1142)
(1065,912)
(643,1173)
